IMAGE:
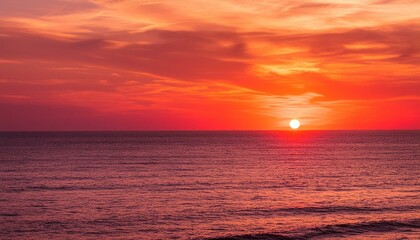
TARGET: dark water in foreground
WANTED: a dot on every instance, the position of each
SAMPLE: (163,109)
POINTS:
(195,185)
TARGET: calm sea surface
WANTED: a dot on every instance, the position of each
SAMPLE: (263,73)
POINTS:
(217,185)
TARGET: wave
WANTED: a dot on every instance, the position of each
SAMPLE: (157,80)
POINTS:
(335,209)
(9,214)
(328,209)
(331,230)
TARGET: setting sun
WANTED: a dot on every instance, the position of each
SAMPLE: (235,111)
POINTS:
(294,124)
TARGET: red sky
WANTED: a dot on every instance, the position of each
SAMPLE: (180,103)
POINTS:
(222,64)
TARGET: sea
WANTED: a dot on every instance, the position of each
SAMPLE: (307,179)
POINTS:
(210,185)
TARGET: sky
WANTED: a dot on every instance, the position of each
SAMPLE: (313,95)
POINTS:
(209,65)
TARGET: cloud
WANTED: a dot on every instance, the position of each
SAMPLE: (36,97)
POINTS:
(178,54)
(23,8)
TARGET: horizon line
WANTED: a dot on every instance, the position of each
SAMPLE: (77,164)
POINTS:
(204,130)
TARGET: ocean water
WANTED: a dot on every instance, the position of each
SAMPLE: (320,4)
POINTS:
(210,185)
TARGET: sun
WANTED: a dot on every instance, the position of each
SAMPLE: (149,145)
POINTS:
(294,124)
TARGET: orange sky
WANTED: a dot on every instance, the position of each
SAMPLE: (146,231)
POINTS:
(221,64)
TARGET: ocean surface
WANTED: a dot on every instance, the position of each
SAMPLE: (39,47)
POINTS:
(210,185)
